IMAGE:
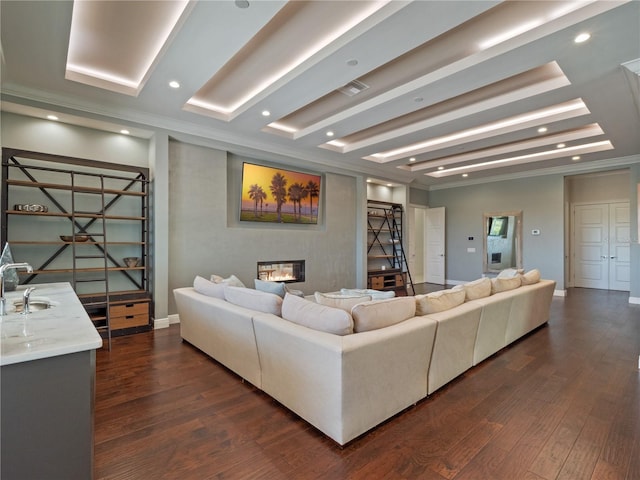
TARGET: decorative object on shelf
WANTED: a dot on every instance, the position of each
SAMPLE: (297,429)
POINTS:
(131,261)
(30,207)
(10,276)
(70,238)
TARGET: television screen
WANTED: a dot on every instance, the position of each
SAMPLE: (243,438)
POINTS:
(278,195)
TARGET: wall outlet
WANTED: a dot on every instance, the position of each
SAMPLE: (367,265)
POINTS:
(535,231)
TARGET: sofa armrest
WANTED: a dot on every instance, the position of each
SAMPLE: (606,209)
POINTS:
(220,329)
(344,385)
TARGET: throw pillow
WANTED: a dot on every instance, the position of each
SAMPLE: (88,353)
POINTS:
(276,288)
(531,277)
(510,273)
(293,291)
(503,284)
(232,280)
(382,313)
(439,301)
(374,294)
(205,287)
(318,317)
(338,300)
(254,299)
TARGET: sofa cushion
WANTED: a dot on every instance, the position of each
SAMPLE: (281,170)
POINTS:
(439,301)
(503,284)
(382,313)
(318,317)
(276,288)
(374,294)
(531,277)
(338,300)
(479,288)
(210,289)
(254,299)
(232,280)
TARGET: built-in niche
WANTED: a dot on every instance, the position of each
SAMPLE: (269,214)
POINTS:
(502,241)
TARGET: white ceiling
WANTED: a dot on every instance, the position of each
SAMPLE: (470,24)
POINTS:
(460,85)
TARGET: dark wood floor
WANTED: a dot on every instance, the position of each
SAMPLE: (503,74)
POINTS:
(562,403)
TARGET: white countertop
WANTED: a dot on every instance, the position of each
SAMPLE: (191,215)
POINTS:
(60,330)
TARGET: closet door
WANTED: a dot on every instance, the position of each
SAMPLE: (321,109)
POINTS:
(601,246)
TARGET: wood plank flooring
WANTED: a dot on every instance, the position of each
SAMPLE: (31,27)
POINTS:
(562,403)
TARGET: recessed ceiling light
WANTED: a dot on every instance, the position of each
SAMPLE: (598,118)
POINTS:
(440,167)
(561,145)
(368,180)
(266,113)
(575,158)
(52,117)
(418,99)
(174,84)
(412,159)
(542,129)
(330,133)
(465,175)
(124,131)
(352,63)
(242,3)
(389,184)
(582,37)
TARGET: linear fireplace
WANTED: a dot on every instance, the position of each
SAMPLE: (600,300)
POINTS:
(287,271)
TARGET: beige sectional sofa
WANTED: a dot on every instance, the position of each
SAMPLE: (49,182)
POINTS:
(344,385)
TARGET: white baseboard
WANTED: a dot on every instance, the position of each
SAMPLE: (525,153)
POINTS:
(160,323)
(165,322)
(559,293)
(634,300)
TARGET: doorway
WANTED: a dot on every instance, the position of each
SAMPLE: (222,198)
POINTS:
(601,246)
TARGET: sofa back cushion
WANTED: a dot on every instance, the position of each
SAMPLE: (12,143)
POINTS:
(531,277)
(254,299)
(318,317)
(210,289)
(479,288)
(439,301)
(338,300)
(382,313)
(503,284)
(374,294)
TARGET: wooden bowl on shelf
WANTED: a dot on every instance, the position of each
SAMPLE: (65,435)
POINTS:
(78,238)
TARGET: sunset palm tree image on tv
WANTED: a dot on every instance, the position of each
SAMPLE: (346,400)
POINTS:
(279,196)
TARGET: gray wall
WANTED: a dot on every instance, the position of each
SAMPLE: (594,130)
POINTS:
(541,200)
(634,181)
(205,236)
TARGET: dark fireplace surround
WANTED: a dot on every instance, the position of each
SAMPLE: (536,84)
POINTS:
(287,271)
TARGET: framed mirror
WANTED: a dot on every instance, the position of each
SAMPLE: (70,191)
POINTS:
(502,241)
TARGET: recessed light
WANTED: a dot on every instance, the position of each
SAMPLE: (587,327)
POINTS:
(412,159)
(330,133)
(440,168)
(174,84)
(465,175)
(368,180)
(266,113)
(418,99)
(582,37)
(561,145)
(52,117)
(389,184)
(242,3)
(542,129)
(575,158)
(352,63)
(124,131)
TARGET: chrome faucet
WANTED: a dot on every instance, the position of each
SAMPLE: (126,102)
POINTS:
(26,296)
(4,268)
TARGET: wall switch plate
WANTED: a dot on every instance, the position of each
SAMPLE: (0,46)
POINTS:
(535,231)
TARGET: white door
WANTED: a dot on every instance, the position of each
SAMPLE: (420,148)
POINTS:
(619,247)
(435,246)
(416,243)
(601,251)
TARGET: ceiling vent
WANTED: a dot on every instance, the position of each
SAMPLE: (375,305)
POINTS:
(353,88)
